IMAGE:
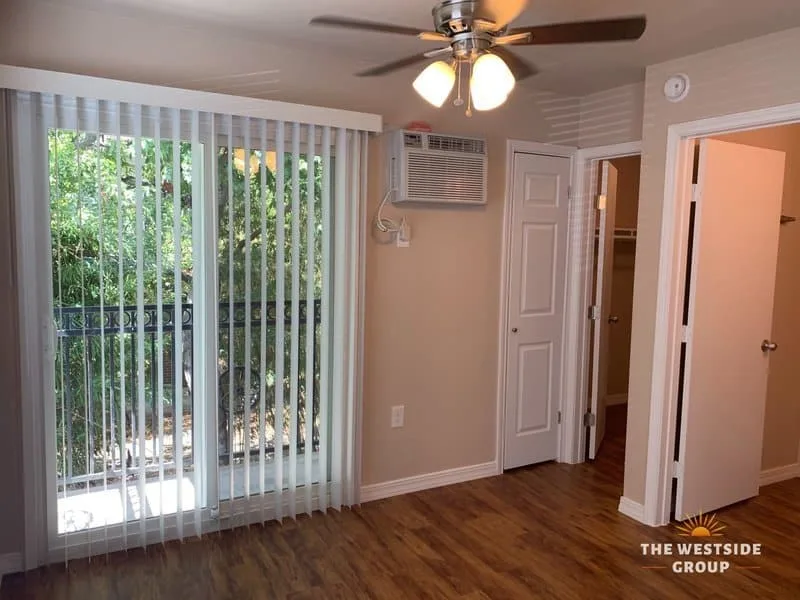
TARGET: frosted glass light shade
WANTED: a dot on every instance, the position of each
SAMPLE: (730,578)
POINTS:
(491,82)
(435,83)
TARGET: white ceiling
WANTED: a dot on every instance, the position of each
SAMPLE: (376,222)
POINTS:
(675,28)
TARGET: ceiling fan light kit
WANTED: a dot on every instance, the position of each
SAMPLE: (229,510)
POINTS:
(436,82)
(478,35)
(491,82)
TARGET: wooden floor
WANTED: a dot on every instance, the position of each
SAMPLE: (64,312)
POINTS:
(550,531)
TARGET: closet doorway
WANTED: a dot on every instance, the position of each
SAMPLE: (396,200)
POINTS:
(613,256)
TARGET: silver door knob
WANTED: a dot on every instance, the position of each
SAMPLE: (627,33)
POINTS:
(612,320)
(514,330)
(767,346)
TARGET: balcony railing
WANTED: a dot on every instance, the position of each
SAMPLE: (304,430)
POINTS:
(95,397)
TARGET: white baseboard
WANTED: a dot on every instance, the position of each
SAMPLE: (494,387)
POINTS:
(10,563)
(427,481)
(779,474)
(631,509)
(614,399)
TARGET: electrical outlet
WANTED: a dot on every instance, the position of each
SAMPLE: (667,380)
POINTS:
(398,416)
(404,235)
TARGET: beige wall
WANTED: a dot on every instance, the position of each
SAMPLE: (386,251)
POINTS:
(612,116)
(754,74)
(782,419)
(431,310)
(622,283)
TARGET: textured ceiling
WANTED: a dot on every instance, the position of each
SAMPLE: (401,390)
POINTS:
(675,28)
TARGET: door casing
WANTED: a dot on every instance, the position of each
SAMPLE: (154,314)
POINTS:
(579,293)
(667,337)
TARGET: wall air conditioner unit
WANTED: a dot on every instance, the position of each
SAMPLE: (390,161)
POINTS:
(430,168)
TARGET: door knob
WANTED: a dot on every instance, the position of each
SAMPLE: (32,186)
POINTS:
(767,346)
(612,320)
(514,330)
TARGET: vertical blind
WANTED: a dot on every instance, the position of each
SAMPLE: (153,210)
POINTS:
(199,276)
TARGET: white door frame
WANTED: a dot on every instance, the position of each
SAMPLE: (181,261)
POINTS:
(513,147)
(670,292)
(579,291)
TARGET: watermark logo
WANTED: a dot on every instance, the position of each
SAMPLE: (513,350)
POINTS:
(704,554)
(700,526)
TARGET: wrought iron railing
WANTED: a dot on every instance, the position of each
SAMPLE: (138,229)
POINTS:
(95,397)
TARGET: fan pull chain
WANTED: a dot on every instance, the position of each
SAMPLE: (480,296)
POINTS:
(459,100)
(469,92)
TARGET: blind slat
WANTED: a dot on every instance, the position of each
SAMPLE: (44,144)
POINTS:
(294,336)
(177,230)
(231,316)
(262,363)
(280,295)
(325,303)
(160,326)
(140,364)
(308,436)
(123,458)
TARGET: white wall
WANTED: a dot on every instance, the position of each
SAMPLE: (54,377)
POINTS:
(612,117)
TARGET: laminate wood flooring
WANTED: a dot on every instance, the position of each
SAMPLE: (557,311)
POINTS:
(548,531)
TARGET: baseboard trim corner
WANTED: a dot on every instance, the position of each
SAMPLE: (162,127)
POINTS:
(631,509)
(418,483)
(778,474)
(10,563)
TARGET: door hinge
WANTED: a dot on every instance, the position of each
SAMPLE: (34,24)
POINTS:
(695,192)
(589,420)
(685,334)
(559,417)
(594,312)
(677,469)
(601,201)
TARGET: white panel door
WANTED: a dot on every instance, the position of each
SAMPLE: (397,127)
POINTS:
(731,295)
(607,209)
(535,308)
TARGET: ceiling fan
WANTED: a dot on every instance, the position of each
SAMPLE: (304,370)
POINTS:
(477,35)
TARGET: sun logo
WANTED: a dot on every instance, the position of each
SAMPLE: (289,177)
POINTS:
(701,526)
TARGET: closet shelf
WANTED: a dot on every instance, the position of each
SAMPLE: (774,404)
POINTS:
(620,233)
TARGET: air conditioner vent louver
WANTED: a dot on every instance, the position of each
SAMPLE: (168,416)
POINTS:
(455,144)
(412,140)
(445,179)
(436,169)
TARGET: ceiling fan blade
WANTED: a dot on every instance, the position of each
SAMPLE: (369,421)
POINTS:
(520,67)
(580,32)
(517,38)
(393,66)
(432,36)
(499,12)
(348,23)
(439,52)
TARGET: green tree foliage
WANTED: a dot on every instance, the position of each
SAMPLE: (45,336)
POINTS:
(101,255)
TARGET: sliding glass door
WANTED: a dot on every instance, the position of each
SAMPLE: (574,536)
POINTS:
(123,265)
(190,312)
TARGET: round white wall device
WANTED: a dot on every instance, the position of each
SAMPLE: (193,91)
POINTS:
(676,88)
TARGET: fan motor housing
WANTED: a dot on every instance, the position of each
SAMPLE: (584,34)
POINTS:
(453,17)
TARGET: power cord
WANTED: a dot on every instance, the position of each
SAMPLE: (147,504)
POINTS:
(387,225)
(397,232)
